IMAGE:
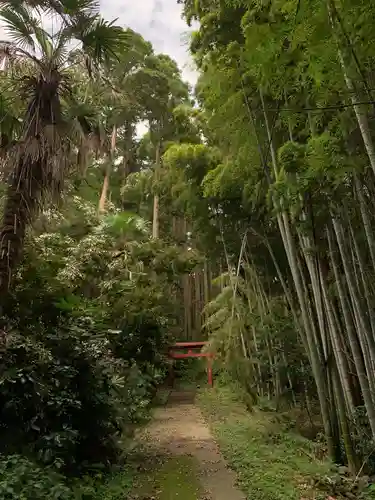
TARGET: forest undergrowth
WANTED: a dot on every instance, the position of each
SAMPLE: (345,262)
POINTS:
(272,461)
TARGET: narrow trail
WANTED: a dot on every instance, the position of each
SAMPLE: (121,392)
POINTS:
(178,430)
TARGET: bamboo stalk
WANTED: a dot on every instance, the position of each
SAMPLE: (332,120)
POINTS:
(353,340)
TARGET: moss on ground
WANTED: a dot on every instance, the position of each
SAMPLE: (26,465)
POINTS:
(271,464)
(174,478)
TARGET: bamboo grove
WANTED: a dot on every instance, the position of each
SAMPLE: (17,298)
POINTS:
(287,190)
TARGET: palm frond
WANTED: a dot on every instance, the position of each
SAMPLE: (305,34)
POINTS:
(59,56)
(16,4)
(20,25)
(102,41)
(87,8)
(44,40)
(48,139)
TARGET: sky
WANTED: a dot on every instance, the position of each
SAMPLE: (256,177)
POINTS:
(159,22)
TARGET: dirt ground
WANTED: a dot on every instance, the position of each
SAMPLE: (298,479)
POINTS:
(179,430)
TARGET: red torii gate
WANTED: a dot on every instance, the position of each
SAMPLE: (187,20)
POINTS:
(192,352)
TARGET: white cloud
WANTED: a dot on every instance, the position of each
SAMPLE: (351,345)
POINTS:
(158,21)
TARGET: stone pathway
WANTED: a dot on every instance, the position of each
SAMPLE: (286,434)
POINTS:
(178,429)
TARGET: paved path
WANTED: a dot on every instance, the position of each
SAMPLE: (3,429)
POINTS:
(179,429)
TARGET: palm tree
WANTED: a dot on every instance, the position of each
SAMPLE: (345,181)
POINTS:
(50,134)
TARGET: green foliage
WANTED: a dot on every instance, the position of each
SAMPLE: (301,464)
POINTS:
(89,303)
(23,480)
(86,345)
(125,225)
(51,386)
(285,89)
(243,328)
(250,441)
(275,158)
(326,160)
(291,157)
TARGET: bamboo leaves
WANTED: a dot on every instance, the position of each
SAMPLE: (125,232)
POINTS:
(288,101)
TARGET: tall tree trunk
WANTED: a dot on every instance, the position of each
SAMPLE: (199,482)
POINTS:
(105,188)
(362,330)
(307,248)
(128,137)
(338,351)
(359,111)
(198,306)
(186,306)
(353,340)
(316,358)
(365,284)
(22,199)
(206,288)
(155,216)
(32,177)
(344,423)
(366,220)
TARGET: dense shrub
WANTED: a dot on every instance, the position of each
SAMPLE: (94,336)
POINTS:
(66,397)
(20,479)
(87,323)
(141,341)
(56,398)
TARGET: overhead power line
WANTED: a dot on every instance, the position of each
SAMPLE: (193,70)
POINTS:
(321,108)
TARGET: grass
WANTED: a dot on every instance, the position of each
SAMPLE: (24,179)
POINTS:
(173,478)
(115,486)
(271,464)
